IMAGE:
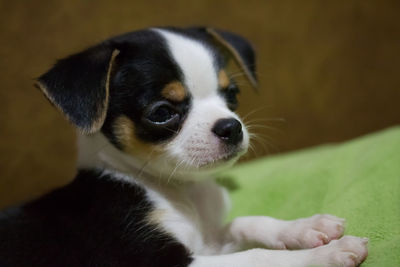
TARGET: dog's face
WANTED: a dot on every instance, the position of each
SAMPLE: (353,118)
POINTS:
(163,96)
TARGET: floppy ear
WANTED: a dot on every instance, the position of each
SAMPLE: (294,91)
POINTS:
(79,86)
(239,49)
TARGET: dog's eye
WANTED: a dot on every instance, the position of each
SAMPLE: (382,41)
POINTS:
(230,93)
(161,114)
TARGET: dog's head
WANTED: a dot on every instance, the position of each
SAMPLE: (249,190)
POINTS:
(161,95)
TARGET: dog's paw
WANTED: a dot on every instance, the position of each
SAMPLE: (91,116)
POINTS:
(349,251)
(311,232)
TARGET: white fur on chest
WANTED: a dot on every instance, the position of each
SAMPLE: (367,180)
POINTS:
(193,214)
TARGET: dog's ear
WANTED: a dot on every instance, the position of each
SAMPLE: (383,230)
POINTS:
(239,49)
(79,86)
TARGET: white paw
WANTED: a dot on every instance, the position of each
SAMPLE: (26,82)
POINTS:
(311,232)
(349,251)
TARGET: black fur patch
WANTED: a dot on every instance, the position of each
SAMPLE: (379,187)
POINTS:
(142,69)
(94,221)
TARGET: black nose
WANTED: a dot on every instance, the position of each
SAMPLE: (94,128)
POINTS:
(229,130)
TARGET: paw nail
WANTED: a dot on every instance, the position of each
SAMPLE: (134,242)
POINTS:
(325,238)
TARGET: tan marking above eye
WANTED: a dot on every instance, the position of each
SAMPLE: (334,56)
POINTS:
(223,80)
(174,91)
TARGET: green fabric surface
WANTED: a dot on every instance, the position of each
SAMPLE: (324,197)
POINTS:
(358,180)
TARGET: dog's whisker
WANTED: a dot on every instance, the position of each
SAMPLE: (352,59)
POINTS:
(232,73)
(266,140)
(174,170)
(258,139)
(237,75)
(145,164)
(168,129)
(261,126)
(252,112)
(266,120)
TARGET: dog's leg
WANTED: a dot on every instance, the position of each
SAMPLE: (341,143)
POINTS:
(253,231)
(348,251)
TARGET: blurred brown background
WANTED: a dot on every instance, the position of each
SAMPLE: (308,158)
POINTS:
(328,70)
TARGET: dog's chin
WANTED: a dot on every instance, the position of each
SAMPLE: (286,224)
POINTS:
(208,166)
(227,159)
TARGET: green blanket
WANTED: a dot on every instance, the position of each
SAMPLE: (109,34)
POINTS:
(358,180)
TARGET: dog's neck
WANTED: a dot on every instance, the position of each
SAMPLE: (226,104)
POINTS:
(96,152)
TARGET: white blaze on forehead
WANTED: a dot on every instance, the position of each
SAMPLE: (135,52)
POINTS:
(195,61)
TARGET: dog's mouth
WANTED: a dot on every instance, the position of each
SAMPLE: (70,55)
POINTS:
(220,160)
(227,158)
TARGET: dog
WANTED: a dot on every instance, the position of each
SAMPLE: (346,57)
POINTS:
(155,113)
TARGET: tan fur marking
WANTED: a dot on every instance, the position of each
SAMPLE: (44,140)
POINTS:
(124,131)
(98,123)
(223,80)
(174,91)
(220,40)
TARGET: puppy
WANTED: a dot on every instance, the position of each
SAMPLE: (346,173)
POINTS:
(155,110)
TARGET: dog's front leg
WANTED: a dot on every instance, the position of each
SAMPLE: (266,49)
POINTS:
(256,231)
(348,251)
